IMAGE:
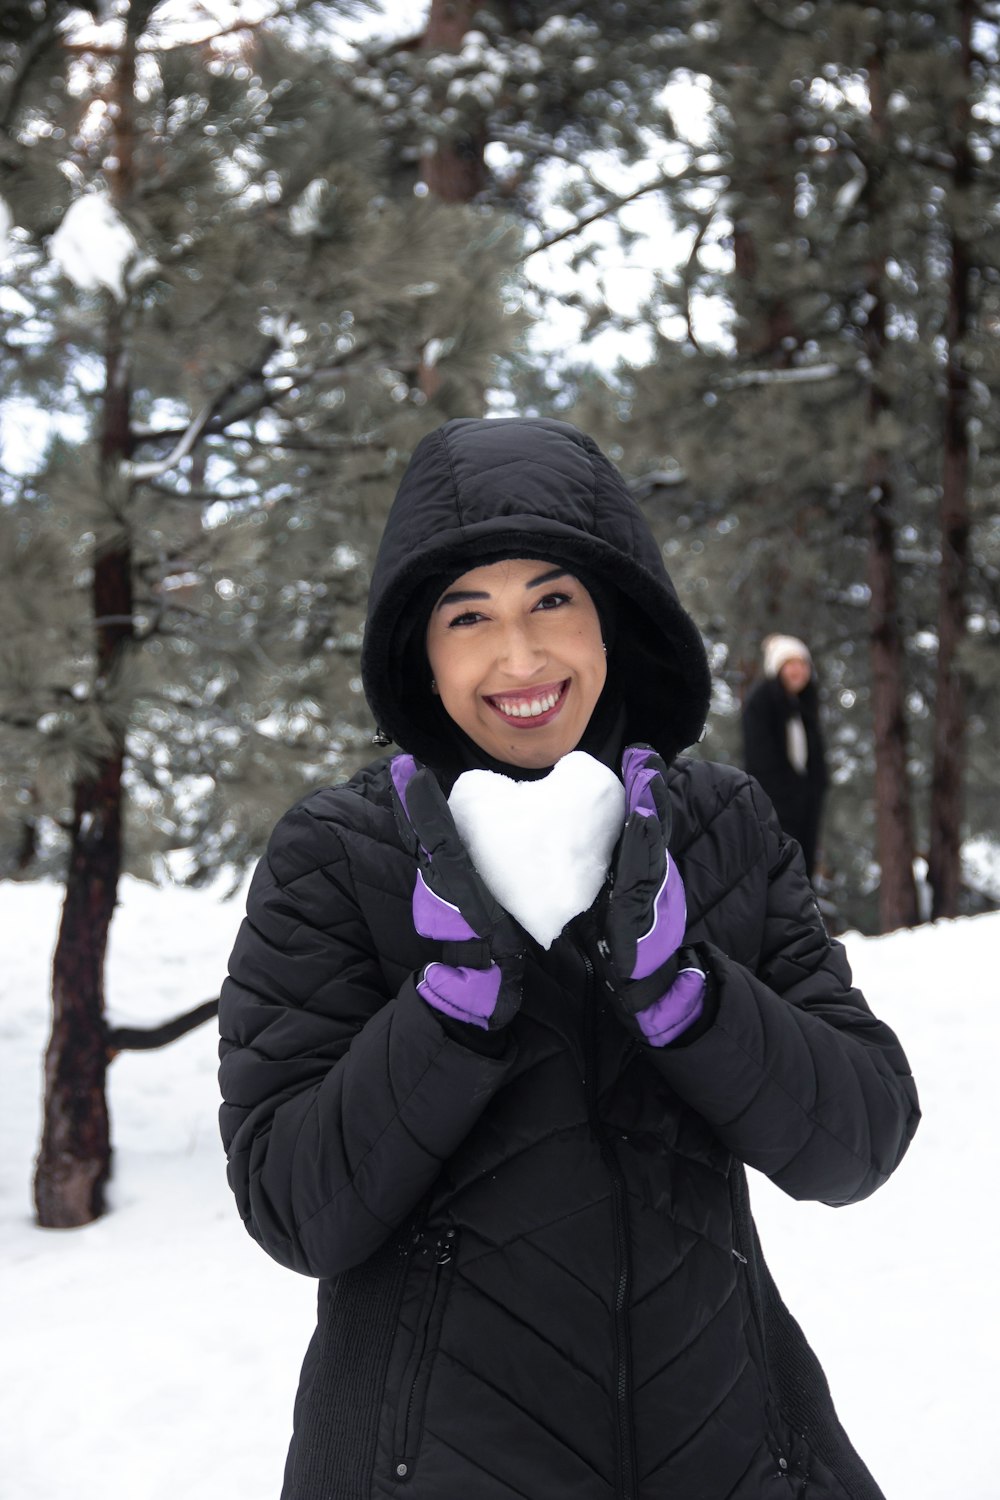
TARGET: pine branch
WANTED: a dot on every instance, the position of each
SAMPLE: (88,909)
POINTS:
(314,445)
(202,497)
(146,1038)
(911,150)
(210,421)
(707,219)
(797,375)
(378,53)
(657,479)
(44,35)
(92,49)
(109,49)
(780,22)
(546,149)
(614,204)
(134,473)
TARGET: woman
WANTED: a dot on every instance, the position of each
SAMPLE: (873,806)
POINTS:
(783,742)
(516,1172)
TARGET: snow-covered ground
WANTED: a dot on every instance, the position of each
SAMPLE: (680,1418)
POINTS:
(154,1355)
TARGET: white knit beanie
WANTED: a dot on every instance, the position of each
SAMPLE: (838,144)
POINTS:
(777,649)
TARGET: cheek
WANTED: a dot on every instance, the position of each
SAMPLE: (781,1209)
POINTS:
(600,677)
(439,657)
(594,655)
(452,665)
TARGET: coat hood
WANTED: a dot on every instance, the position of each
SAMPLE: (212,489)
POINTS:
(478,490)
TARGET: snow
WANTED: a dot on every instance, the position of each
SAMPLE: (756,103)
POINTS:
(154,1355)
(542,847)
(93,246)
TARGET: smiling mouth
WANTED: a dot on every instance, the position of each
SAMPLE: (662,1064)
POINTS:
(528,710)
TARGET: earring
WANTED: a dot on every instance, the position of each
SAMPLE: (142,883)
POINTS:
(434,686)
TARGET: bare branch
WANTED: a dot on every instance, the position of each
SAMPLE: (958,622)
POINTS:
(145,1038)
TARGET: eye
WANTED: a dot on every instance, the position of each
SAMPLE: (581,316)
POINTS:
(467,617)
(554,600)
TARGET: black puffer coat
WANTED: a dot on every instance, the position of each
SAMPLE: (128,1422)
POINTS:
(797,796)
(538,1275)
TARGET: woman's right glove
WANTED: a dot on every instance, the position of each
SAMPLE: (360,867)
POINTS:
(479,980)
(656,983)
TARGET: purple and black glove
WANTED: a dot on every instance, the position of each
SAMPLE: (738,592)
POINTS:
(479,980)
(646,914)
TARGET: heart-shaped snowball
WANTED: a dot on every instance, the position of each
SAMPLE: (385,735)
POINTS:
(542,847)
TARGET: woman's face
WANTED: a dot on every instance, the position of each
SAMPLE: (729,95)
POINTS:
(795,674)
(517,657)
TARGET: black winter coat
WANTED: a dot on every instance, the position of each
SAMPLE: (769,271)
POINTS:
(797,796)
(539,1279)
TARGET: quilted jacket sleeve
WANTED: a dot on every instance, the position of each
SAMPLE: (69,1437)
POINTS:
(341,1100)
(795,1075)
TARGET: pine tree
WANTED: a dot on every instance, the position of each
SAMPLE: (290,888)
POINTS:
(237,390)
(510,103)
(857,284)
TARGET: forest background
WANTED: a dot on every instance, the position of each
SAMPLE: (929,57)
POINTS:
(256,248)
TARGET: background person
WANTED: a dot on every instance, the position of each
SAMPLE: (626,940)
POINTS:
(517,1171)
(783,742)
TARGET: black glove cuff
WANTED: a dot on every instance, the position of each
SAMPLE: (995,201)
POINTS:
(635,995)
(472,953)
(487,1043)
(639,994)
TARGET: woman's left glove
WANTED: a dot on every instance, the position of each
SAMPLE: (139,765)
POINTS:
(657,985)
(480,979)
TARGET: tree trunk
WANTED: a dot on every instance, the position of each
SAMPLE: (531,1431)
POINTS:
(894,842)
(27,846)
(456,171)
(947,779)
(765,329)
(897,902)
(74,1160)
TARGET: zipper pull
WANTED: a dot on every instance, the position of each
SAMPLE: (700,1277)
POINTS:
(445,1248)
(741,1258)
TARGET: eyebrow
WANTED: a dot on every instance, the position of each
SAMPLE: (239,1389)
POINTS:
(462,596)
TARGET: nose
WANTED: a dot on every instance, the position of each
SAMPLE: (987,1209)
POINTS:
(521,656)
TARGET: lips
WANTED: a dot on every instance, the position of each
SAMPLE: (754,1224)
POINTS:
(530,710)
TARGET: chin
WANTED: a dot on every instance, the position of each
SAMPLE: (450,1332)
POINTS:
(532,757)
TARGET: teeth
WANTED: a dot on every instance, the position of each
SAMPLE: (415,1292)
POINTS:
(530,709)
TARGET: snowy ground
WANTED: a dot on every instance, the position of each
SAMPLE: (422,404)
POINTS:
(154,1355)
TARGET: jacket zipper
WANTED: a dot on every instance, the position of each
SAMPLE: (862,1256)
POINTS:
(758,1323)
(407,1434)
(625,1489)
